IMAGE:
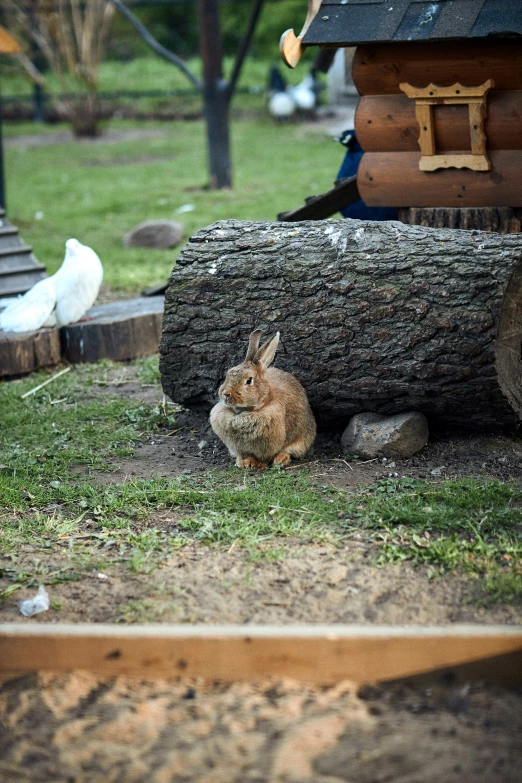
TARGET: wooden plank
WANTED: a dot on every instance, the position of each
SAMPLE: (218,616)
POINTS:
(393,179)
(378,69)
(387,123)
(477,114)
(10,266)
(426,130)
(20,250)
(121,330)
(320,654)
(19,283)
(342,195)
(19,269)
(155,290)
(459,161)
(455,93)
(24,352)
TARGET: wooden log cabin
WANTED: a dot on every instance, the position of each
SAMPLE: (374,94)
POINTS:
(440,113)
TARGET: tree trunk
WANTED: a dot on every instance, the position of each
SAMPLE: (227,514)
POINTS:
(215,95)
(83,115)
(381,317)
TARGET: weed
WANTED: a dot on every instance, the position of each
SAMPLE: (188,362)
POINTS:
(461,525)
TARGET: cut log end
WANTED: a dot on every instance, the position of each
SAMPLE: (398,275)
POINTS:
(509,342)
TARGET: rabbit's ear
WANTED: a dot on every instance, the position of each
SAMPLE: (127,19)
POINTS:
(253,345)
(266,353)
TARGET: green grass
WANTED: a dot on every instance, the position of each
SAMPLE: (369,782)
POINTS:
(98,192)
(144,74)
(53,441)
(66,424)
(463,526)
(471,525)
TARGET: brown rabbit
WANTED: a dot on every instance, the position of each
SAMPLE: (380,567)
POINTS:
(263,415)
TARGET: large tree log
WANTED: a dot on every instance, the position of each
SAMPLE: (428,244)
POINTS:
(374,316)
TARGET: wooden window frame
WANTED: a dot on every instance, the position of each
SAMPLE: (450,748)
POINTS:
(432,95)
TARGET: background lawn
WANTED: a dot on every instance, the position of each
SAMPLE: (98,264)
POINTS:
(97,191)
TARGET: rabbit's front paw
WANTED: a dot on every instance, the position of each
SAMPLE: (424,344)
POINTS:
(251,462)
(283,458)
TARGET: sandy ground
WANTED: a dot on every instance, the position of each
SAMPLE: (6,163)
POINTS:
(76,728)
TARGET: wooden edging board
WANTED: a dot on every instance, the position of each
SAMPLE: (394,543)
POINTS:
(318,654)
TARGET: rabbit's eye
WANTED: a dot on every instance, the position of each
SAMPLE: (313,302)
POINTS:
(249,381)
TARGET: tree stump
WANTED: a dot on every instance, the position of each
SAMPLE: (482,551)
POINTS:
(23,352)
(125,329)
(381,317)
(503,220)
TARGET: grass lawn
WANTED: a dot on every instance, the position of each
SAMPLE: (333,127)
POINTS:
(98,191)
(55,444)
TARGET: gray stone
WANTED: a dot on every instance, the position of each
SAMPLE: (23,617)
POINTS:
(371,435)
(159,234)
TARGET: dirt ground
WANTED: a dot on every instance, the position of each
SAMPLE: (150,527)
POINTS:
(300,581)
(76,728)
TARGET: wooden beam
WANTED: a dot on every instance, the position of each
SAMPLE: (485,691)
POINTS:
(378,69)
(393,179)
(387,123)
(342,195)
(319,654)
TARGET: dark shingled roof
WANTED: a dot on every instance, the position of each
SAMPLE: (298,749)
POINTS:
(353,22)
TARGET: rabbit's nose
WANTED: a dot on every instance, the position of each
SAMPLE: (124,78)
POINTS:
(227,395)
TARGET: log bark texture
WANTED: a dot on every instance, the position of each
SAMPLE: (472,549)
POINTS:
(373,316)
(503,220)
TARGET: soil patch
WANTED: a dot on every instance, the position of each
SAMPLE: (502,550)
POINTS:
(288,582)
(64,137)
(281,580)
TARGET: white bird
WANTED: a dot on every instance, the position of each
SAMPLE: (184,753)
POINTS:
(303,94)
(31,311)
(281,105)
(60,299)
(77,282)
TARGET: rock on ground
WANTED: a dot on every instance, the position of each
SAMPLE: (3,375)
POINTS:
(159,234)
(371,435)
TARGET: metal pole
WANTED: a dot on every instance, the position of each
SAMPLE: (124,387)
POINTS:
(215,94)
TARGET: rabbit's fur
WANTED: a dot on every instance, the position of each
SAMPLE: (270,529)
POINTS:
(263,414)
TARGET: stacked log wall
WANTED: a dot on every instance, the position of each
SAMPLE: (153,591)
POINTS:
(388,131)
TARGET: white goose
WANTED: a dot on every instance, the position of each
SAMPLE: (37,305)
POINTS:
(60,299)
